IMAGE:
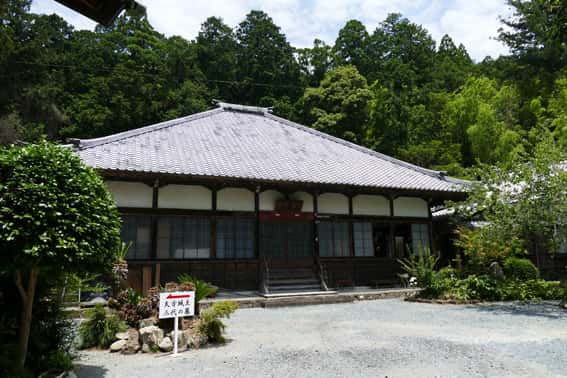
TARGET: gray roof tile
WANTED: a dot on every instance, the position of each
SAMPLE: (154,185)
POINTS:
(248,142)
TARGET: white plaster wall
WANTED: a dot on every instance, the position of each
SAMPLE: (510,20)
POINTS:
(332,203)
(268,200)
(364,204)
(235,199)
(307,199)
(185,197)
(130,194)
(411,207)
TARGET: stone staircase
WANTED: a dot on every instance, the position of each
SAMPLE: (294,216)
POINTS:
(292,281)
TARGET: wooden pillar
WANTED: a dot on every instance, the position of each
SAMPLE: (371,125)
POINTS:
(430,227)
(213,221)
(391,239)
(258,253)
(315,221)
(151,273)
(350,225)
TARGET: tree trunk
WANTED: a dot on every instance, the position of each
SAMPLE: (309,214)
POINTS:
(27,295)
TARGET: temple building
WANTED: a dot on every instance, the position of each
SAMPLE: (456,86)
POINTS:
(247,200)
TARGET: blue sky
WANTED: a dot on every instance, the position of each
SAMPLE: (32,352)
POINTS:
(472,23)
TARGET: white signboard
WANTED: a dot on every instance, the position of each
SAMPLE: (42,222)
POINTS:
(176,304)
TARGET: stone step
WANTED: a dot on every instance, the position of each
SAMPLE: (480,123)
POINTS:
(312,299)
(292,274)
(298,288)
(293,281)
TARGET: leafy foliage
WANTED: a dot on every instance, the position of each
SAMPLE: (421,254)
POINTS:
(99,328)
(202,289)
(520,269)
(421,265)
(55,211)
(210,324)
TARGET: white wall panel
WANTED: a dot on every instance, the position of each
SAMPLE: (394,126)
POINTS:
(332,203)
(185,197)
(411,207)
(363,204)
(235,199)
(130,194)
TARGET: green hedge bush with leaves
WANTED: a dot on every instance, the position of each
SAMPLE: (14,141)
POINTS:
(99,328)
(210,323)
(520,269)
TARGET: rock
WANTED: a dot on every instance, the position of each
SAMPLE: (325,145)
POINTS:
(166,345)
(133,343)
(150,336)
(148,322)
(495,271)
(121,335)
(183,338)
(93,302)
(118,345)
(197,340)
(146,348)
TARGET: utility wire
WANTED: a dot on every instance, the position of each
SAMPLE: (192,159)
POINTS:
(153,75)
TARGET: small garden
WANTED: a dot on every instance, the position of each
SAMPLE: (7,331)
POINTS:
(520,209)
(513,279)
(130,324)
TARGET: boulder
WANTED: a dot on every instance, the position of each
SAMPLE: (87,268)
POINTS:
(495,271)
(121,336)
(146,348)
(151,336)
(118,345)
(197,340)
(183,338)
(133,343)
(148,322)
(166,345)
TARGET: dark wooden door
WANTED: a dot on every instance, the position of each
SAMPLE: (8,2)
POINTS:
(287,243)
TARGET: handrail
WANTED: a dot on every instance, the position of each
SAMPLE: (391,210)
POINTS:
(321,272)
(265,276)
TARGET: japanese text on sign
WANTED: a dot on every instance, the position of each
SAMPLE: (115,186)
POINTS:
(177,303)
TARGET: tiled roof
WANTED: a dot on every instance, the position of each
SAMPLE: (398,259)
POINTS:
(237,141)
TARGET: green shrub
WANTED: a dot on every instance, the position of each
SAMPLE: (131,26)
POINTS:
(98,329)
(210,325)
(202,289)
(520,269)
(478,288)
(59,360)
(421,266)
(531,290)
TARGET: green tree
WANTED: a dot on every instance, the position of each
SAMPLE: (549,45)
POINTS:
(315,62)
(537,31)
(56,215)
(523,200)
(482,118)
(216,52)
(339,106)
(403,53)
(266,64)
(453,65)
(351,46)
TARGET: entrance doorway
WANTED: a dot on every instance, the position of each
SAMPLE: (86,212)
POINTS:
(287,243)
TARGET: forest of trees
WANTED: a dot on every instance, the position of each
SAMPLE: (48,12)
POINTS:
(394,89)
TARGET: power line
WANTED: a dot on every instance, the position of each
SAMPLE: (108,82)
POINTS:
(154,75)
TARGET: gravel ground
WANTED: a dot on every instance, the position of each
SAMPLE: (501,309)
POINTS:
(371,338)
